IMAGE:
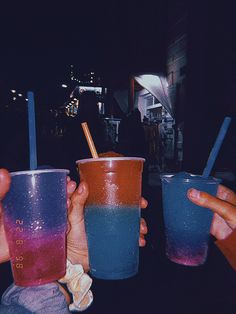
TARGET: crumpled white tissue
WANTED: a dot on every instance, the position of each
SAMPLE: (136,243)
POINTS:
(78,283)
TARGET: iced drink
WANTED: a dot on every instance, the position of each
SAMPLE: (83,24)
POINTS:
(112,215)
(35,220)
(187,226)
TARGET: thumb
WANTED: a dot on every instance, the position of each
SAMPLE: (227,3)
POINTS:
(78,199)
(224,209)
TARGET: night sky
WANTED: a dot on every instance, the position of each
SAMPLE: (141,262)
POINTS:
(114,38)
(38,45)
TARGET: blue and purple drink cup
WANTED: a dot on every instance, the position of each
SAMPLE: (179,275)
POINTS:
(112,215)
(35,222)
(187,226)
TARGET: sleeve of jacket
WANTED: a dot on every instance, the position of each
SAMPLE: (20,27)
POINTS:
(228,248)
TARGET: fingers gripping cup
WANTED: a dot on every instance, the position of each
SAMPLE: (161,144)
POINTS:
(187,226)
(35,221)
(112,215)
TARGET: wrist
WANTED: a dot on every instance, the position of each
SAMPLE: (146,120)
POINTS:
(78,257)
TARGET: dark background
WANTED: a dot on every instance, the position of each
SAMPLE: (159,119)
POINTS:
(116,39)
(39,42)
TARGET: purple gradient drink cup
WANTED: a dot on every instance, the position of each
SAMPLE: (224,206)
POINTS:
(187,226)
(35,222)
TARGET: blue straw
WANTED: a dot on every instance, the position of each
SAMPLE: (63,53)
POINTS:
(214,152)
(32,131)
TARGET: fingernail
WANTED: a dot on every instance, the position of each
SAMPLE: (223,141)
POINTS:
(223,195)
(194,193)
(80,189)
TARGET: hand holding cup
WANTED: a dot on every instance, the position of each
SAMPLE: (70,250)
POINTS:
(77,248)
(223,207)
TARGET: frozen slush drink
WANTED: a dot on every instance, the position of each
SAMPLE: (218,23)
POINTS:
(187,226)
(112,215)
(35,221)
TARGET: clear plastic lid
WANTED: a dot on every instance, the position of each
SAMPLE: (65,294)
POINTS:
(81,161)
(39,171)
(187,177)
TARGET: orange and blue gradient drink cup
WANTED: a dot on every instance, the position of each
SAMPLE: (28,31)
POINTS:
(187,226)
(35,222)
(112,215)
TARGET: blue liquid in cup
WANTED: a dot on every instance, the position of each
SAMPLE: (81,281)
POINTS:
(113,233)
(187,226)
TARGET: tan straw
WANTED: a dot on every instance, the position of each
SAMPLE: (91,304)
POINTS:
(89,139)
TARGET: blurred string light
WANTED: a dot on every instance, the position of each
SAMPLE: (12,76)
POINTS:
(87,78)
(15,95)
(72,76)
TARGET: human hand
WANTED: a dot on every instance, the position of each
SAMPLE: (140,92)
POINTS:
(77,248)
(5,181)
(223,206)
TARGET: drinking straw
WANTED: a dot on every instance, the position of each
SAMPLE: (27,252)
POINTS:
(218,142)
(89,139)
(32,131)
